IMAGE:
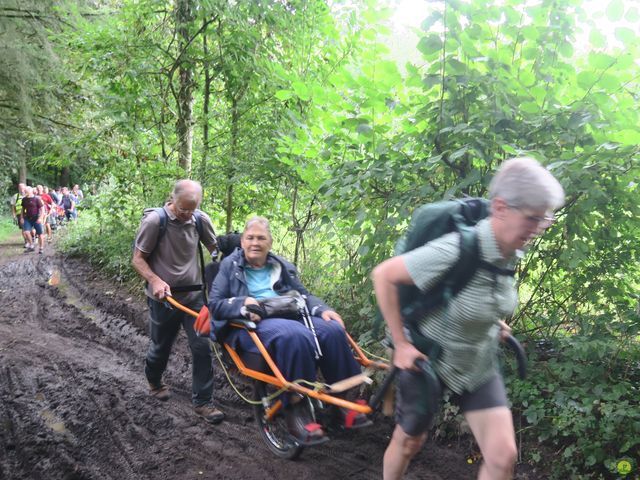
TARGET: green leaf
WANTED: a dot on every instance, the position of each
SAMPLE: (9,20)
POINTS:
(609,82)
(566,50)
(364,129)
(586,79)
(626,137)
(430,21)
(615,10)
(527,78)
(626,36)
(430,44)
(301,90)
(458,153)
(529,107)
(530,32)
(456,65)
(601,60)
(284,94)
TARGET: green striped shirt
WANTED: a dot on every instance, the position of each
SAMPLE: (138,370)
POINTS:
(468,329)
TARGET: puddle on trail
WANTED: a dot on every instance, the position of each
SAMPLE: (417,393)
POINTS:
(50,418)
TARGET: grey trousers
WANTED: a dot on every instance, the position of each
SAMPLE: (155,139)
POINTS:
(164,325)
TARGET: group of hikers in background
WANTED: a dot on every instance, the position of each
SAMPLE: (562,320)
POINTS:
(40,210)
(523,198)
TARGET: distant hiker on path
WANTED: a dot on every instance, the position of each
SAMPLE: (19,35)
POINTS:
(33,218)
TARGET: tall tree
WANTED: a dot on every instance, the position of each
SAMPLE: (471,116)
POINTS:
(184,122)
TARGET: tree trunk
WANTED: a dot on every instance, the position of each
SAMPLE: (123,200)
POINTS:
(184,124)
(22,170)
(235,117)
(205,112)
(64,177)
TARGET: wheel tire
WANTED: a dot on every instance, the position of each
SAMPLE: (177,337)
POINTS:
(274,431)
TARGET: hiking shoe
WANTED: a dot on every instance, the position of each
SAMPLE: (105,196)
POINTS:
(161,392)
(352,420)
(210,413)
(301,425)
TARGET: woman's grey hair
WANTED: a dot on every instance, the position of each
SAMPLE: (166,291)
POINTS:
(524,183)
(260,221)
(187,190)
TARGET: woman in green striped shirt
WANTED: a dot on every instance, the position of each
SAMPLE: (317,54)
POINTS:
(523,197)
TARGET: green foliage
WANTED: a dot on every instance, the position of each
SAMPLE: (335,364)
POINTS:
(7,228)
(581,399)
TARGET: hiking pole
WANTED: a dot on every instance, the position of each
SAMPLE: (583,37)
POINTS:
(306,316)
(306,319)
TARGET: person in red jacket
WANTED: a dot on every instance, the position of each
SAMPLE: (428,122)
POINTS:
(32,215)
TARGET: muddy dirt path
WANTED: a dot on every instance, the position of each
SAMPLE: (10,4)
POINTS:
(74,404)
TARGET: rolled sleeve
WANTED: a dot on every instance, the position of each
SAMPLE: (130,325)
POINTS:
(428,264)
(147,236)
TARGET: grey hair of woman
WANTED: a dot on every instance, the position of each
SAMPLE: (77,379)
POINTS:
(523,183)
(259,221)
(187,190)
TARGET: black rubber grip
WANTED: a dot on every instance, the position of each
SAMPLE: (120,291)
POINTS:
(377,397)
(520,355)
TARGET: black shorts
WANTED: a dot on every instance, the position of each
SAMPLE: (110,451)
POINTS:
(413,413)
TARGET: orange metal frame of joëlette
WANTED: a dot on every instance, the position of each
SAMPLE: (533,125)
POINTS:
(277,379)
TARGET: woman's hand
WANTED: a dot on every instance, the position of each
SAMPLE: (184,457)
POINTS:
(329,315)
(505,330)
(406,355)
(251,316)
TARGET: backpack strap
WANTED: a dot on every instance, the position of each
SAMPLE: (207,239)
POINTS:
(470,260)
(197,217)
(162,215)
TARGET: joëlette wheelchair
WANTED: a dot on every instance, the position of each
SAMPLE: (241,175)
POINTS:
(269,383)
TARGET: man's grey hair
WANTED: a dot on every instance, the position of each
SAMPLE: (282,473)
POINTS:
(187,190)
(524,183)
(262,221)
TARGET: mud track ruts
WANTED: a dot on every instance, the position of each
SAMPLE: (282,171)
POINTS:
(74,403)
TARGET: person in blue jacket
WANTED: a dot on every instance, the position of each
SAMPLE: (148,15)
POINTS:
(252,273)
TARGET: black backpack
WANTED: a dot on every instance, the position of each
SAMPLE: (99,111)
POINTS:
(429,222)
(66,202)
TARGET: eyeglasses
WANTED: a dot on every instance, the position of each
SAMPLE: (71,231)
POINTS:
(183,211)
(545,221)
